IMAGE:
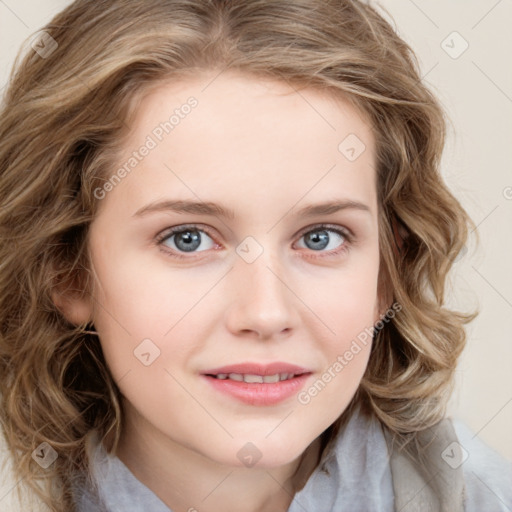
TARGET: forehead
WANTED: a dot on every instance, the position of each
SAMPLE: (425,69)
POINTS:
(245,129)
(253,102)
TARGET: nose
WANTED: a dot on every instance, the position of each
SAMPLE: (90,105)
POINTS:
(263,303)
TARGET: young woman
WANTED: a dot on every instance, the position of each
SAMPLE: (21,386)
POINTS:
(225,240)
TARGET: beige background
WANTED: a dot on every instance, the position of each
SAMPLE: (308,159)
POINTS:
(476,89)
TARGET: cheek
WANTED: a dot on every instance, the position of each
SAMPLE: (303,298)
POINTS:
(347,307)
(328,394)
(131,298)
(346,303)
(140,315)
(145,293)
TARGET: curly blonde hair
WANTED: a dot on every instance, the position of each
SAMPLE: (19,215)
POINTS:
(62,123)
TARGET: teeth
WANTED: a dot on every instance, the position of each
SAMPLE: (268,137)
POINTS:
(253,379)
(256,379)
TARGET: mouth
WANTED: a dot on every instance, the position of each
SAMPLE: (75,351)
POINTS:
(257,384)
(253,378)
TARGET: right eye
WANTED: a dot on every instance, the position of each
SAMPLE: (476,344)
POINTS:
(185,239)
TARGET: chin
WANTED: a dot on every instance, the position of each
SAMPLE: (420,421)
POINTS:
(261,453)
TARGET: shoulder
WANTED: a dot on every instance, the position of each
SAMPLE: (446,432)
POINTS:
(487,475)
(449,464)
(456,459)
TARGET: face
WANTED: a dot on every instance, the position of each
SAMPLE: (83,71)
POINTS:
(236,321)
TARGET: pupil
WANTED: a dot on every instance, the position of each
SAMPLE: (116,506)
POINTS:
(188,240)
(319,239)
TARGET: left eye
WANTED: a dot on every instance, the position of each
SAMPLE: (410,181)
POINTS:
(322,238)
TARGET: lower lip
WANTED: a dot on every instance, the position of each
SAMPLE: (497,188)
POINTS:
(259,393)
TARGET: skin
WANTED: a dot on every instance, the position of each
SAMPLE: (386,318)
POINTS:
(262,149)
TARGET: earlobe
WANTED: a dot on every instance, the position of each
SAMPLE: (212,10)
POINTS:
(74,306)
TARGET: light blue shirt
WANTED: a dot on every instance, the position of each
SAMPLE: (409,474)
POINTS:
(354,476)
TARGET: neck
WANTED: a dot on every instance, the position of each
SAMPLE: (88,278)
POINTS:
(200,483)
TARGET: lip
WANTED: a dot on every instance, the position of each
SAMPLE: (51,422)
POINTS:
(259,394)
(258,369)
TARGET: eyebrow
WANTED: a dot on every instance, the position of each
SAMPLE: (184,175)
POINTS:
(216,210)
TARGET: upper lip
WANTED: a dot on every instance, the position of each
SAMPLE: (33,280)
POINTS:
(258,369)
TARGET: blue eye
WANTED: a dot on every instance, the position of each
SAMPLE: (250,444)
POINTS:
(190,238)
(186,239)
(321,238)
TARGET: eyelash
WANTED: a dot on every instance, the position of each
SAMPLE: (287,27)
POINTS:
(348,238)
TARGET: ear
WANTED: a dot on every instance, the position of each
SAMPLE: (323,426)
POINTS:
(75,305)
